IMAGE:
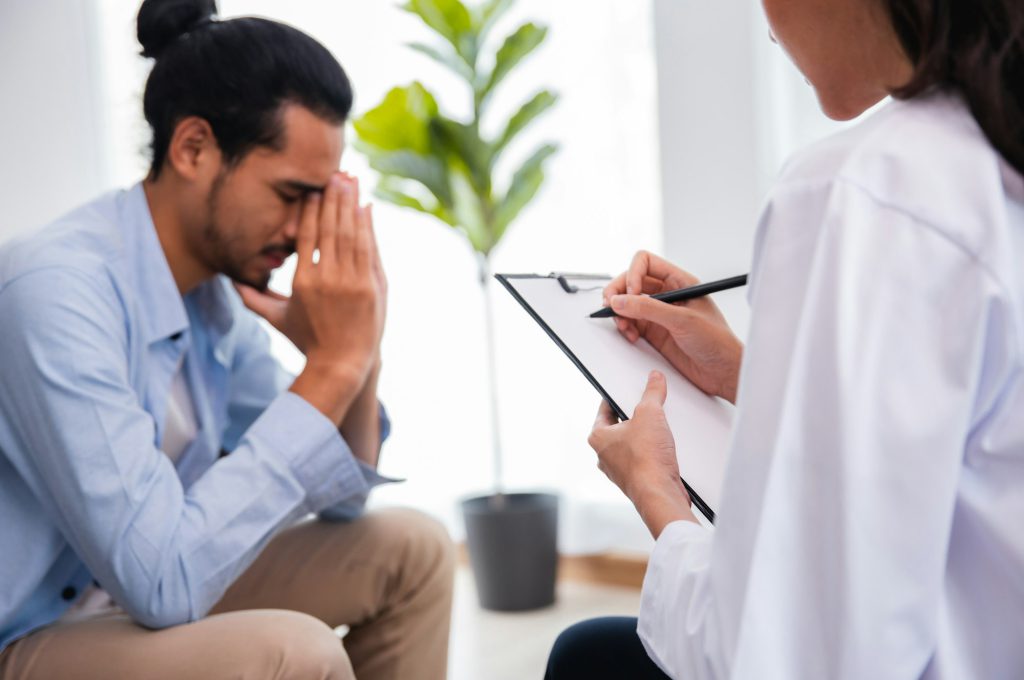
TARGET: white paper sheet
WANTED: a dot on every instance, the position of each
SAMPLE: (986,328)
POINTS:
(701,424)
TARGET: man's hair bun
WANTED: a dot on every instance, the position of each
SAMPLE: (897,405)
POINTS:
(235,74)
(161,22)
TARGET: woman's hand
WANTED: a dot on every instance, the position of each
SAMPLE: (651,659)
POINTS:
(693,335)
(639,456)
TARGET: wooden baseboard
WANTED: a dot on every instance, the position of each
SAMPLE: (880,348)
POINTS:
(609,569)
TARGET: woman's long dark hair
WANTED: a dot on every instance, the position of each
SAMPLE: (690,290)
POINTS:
(977,48)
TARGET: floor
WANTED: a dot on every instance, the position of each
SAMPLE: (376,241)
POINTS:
(501,646)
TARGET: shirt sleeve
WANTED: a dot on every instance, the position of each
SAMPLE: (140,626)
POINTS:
(874,349)
(257,379)
(85,446)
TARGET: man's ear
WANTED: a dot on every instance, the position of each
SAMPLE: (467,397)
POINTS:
(193,151)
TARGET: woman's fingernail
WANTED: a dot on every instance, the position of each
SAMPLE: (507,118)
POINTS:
(618,301)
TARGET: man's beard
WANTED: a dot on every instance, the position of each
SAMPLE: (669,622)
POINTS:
(223,253)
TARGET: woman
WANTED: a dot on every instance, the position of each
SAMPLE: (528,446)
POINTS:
(870,518)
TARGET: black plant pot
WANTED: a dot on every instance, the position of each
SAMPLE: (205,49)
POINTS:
(512,541)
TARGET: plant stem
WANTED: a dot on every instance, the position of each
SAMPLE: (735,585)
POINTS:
(485,284)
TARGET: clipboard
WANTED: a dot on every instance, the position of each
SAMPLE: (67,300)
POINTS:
(560,303)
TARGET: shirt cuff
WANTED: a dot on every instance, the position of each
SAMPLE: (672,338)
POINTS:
(374,478)
(353,507)
(313,449)
(671,589)
(385,422)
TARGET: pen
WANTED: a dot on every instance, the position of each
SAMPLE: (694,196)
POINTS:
(697,291)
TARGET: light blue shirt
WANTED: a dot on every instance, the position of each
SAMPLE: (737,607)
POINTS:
(92,329)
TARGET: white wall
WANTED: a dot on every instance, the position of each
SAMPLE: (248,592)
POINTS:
(732,108)
(50,136)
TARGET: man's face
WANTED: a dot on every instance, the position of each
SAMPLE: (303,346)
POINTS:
(254,206)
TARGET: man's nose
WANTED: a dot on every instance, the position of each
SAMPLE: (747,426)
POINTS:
(291,227)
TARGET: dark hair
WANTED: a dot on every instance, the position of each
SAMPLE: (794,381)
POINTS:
(235,74)
(977,48)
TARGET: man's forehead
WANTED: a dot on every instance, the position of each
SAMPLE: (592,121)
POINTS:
(307,133)
(310,148)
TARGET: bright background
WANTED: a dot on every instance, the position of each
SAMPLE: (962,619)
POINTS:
(675,116)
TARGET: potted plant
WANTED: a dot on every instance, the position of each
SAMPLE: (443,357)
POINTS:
(441,166)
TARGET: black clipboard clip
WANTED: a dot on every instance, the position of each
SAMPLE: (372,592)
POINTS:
(563,280)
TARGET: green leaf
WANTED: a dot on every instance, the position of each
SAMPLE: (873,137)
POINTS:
(400,122)
(541,102)
(525,184)
(443,167)
(392,190)
(401,199)
(468,211)
(452,20)
(450,61)
(429,171)
(464,143)
(487,14)
(516,47)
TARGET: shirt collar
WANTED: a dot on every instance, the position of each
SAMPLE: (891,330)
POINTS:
(212,302)
(164,312)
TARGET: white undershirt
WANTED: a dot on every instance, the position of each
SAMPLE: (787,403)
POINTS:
(180,426)
(180,429)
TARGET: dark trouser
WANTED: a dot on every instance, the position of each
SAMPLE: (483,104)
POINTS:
(601,649)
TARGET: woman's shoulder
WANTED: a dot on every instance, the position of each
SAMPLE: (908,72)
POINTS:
(926,158)
(904,145)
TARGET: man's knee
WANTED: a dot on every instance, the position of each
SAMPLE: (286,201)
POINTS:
(296,645)
(421,543)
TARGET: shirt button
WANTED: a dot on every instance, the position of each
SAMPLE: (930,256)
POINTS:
(69,593)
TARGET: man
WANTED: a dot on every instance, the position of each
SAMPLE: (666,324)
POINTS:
(156,463)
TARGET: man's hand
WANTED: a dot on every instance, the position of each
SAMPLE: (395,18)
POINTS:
(693,336)
(639,456)
(336,313)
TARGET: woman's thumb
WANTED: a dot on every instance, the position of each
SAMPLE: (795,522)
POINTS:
(656,390)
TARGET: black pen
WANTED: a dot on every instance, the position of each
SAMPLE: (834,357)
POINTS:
(697,291)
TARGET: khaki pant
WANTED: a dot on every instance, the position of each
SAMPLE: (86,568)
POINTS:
(388,575)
